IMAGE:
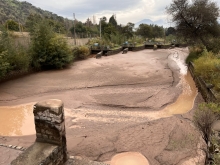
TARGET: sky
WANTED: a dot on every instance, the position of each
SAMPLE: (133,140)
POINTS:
(125,10)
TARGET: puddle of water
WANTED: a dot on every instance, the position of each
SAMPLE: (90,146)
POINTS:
(17,120)
(185,101)
(129,158)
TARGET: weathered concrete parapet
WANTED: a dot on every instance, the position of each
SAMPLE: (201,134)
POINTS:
(50,146)
(50,123)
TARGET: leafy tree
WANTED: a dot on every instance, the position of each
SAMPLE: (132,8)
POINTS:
(128,30)
(12,25)
(48,50)
(108,31)
(113,21)
(31,21)
(12,57)
(157,31)
(170,31)
(79,28)
(144,30)
(195,21)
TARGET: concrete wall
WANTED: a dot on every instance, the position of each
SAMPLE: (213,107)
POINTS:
(207,93)
(112,52)
(138,48)
(50,146)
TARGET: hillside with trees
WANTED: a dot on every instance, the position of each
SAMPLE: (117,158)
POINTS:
(20,11)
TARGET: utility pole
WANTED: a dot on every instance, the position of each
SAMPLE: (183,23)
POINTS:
(74,21)
(100,23)
(19,20)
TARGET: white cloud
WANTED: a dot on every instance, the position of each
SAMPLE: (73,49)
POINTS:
(126,10)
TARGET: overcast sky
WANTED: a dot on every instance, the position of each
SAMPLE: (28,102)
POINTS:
(125,10)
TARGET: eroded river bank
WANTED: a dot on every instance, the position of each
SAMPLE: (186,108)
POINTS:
(122,103)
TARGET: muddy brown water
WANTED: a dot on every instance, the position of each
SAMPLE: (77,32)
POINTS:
(185,101)
(17,120)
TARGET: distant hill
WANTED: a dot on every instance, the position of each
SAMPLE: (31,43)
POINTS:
(19,11)
(148,21)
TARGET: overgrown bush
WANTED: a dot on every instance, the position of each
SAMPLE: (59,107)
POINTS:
(4,64)
(208,66)
(48,50)
(194,53)
(214,45)
(81,52)
(203,119)
(12,57)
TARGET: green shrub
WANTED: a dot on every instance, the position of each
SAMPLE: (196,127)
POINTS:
(21,59)
(4,64)
(81,52)
(208,66)
(195,53)
(48,49)
(12,56)
(204,118)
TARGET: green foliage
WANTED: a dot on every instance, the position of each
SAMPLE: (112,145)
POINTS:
(208,66)
(12,57)
(150,31)
(194,53)
(33,19)
(193,26)
(113,21)
(127,30)
(79,28)
(20,60)
(81,52)
(214,45)
(49,50)
(211,106)
(204,118)
(170,31)
(16,10)
(4,64)
(12,25)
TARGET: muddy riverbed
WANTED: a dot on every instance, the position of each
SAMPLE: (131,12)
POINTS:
(117,104)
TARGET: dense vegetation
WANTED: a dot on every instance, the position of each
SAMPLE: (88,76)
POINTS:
(196,21)
(20,11)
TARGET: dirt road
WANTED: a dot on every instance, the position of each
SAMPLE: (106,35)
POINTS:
(108,102)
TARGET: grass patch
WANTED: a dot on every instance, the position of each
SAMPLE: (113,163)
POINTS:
(208,66)
(195,53)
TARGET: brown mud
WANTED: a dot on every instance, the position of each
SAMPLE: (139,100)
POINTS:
(116,104)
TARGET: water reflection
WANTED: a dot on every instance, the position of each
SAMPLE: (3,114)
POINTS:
(17,120)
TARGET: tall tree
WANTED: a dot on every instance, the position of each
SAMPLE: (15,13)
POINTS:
(170,30)
(128,30)
(113,21)
(144,30)
(196,20)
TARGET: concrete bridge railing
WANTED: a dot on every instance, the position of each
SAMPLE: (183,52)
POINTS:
(50,146)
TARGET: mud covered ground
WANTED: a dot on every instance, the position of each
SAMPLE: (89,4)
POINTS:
(108,102)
